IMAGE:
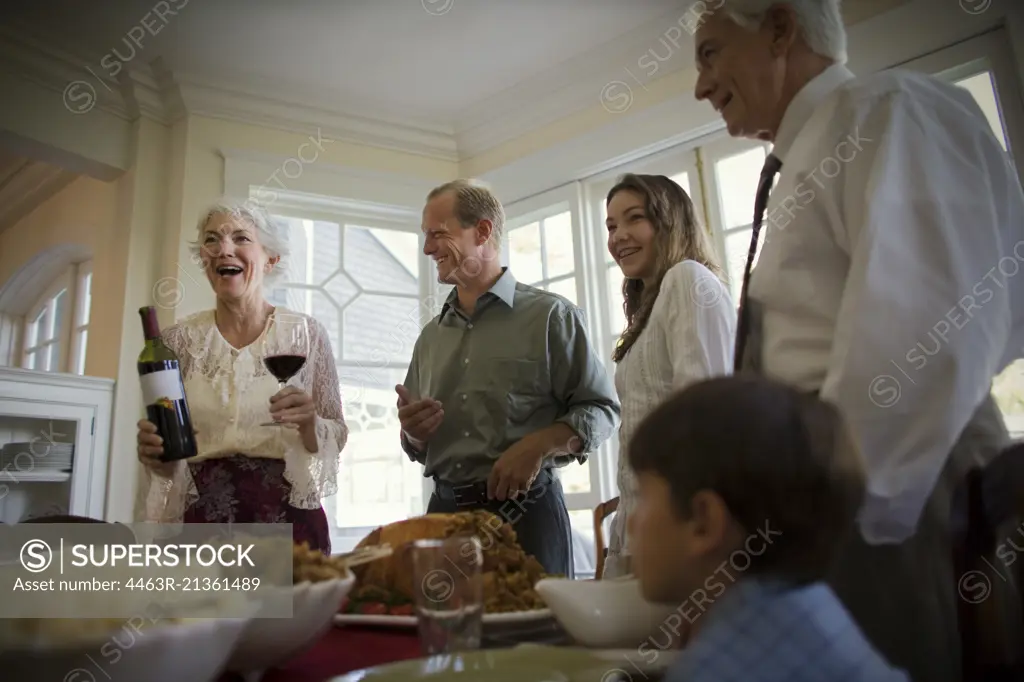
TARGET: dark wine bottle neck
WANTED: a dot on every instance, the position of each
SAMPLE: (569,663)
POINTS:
(150,325)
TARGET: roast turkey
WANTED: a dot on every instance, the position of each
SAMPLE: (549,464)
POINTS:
(509,574)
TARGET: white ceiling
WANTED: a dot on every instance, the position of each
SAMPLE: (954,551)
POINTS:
(449,65)
(415,59)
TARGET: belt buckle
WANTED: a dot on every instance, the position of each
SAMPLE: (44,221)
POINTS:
(466,495)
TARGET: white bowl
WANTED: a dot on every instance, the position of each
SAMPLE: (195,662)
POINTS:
(194,650)
(267,642)
(605,614)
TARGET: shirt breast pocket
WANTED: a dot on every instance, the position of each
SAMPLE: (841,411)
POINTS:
(518,375)
(524,387)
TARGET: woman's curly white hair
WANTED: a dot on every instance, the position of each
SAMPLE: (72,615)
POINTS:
(272,234)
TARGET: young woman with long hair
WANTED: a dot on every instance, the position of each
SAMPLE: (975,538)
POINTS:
(680,319)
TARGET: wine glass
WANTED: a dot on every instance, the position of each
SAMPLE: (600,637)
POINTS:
(286,348)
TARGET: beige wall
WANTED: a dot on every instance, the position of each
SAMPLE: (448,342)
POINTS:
(83,213)
(137,229)
(636,100)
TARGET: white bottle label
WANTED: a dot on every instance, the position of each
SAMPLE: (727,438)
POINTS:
(163,384)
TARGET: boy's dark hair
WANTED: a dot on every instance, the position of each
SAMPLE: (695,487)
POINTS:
(773,454)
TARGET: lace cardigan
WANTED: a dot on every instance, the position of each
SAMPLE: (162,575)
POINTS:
(228,392)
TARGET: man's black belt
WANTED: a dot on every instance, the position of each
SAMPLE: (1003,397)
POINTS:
(475,494)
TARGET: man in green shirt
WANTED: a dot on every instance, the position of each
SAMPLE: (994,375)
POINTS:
(504,384)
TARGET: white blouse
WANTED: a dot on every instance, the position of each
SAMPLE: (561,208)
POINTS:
(689,337)
(228,392)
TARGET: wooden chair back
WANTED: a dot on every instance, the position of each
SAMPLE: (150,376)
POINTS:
(602,512)
(987,533)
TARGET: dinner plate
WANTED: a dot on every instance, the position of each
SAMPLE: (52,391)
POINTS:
(527,663)
(406,622)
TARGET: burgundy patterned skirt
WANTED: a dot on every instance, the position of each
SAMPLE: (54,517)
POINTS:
(242,489)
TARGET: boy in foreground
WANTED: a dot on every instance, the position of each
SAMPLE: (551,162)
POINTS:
(747,487)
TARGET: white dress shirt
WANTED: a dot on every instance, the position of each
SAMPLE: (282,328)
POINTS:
(228,392)
(888,272)
(689,337)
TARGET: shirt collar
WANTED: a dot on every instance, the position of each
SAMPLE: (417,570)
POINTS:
(749,593)
(803,105)
(504,289)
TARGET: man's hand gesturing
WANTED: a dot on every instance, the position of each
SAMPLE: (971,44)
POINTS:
(420,419)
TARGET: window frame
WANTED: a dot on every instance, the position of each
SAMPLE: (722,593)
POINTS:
(67,329)
(990,51)
(592,192)
(344,212)
(670,162)
(79,329)
(721,148)
(569,198)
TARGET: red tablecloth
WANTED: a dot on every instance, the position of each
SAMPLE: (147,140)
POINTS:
(342,650)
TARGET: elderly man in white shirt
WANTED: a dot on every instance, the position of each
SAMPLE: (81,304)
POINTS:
(885,282)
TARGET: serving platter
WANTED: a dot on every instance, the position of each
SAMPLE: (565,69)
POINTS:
(409,622)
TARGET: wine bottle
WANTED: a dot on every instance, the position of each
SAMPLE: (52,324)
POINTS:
(164,393)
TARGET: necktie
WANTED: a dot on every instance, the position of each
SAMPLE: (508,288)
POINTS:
(772,164)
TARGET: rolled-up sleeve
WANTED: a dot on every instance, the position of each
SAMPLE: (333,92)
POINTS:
(580,381)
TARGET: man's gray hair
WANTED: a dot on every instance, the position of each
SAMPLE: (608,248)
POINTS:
(272,234)
(474,202)
(820,21)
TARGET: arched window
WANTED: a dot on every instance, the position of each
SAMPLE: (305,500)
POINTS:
(57,325)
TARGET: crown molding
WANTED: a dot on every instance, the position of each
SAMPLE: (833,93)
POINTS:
(577,84)
(559,92)
(57,70)
(142,90)
(672,124)
(204,97)
(152,92)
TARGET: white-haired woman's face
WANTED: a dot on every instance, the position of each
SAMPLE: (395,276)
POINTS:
(233,258)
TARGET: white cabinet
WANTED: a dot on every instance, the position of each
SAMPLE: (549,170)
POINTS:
(43,416)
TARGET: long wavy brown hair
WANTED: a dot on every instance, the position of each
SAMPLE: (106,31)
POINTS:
(678,236)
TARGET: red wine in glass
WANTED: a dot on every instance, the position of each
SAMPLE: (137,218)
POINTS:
(284,367)
(286,348)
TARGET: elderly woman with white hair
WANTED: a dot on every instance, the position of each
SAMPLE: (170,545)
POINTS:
(248,470)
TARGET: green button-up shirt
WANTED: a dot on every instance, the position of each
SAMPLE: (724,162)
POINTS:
(519,364)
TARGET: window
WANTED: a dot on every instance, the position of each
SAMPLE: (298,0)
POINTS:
(983,90)
(542,253)
(985,67)
(602,289)
(80,332)
(56,327)
(1008,387)
(681,168)
(365,283)
(735,169)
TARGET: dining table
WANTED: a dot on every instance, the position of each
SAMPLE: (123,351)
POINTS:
(345,649)
(342,650)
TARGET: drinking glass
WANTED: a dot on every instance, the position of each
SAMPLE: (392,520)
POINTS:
(449,593)
(285,349)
